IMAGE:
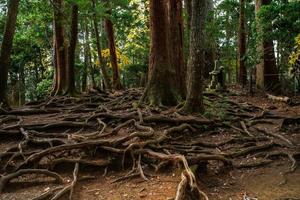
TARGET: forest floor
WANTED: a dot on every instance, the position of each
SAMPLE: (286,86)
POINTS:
(105,146)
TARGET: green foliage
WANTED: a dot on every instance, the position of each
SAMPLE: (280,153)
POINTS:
(32,55)
(295,55)
(280,22)
(285,19)
(132,74)
(294,63)
(216,109)
(43,88)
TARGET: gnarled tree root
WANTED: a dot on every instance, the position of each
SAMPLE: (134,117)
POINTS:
(6,178)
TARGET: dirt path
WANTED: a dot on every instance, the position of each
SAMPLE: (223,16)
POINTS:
(260,152)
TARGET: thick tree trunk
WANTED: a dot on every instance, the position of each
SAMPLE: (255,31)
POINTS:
(188,10)
(242,45)
(210,47)
(188,5)
(54,63)
(176,44)
(266,70)
(6,48)
(113,55)
(98,45)
(71,51)
(194,100)
(160,89)
(210,57)
(60,48)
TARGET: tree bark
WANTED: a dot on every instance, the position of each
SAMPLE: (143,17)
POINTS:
(113,56)
(188,4)
(54,62)
(22,86)
(188,10)
(266,70)
(98,45)
(161,88)
(6,48)
(71,52)
(242,45)
(176,44)
(194,100)
(60,48)
(14,85)
(86,59)
(210,47)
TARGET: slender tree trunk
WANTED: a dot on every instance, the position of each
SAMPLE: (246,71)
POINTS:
(60,48)
(92,69)
(22,86)
(242,45)
(160,89)
(6,48)
(14,100)
(71,51)
(113,55)
(194,100)
(98,45)
(176,44)
(86,59)
(266,70)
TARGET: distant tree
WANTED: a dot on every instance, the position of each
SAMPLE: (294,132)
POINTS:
(6,48)
(266,70)
(194,99)
(113,56)
(98,46)
(242,45)
(161,88)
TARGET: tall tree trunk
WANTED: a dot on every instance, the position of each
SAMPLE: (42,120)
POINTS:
(160,89)
(188,5)
(71,51)
(194,100)
(86,59)
(210,47)
(266,70)
(98,45)
(113,55)
(60,48)
(242,45)
(6,48)
(54,63)
(188,12)
(91,67)
(176,44)
(14,100)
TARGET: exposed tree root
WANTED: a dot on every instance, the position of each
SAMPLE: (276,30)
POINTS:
(101,130)
(48,194)
(6,178)
(69,188)
(185,191)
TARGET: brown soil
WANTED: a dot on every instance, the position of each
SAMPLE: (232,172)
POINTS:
(263,182)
